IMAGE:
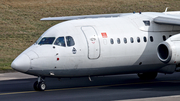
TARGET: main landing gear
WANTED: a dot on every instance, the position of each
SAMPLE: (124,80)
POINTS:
(39,85)
(147,76)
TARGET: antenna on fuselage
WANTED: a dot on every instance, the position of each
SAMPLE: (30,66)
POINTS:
(90,78)
(166,9)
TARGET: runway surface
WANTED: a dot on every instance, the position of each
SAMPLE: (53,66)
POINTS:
(107,88)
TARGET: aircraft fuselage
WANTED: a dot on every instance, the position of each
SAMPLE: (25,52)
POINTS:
(102,46)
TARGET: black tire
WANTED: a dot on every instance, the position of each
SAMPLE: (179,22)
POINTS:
(41,86)
(35,86)
(147,76)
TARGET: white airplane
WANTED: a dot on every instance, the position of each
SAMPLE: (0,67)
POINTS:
(145,43)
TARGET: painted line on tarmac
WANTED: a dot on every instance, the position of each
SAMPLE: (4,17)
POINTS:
(17,93)
(86,87)
(162,98)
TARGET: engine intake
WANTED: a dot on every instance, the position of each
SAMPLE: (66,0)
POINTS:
(169,50)
(164,52)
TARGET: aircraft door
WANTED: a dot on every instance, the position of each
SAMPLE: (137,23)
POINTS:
(92,42)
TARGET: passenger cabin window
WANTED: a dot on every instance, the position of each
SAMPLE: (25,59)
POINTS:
(60,42)
(164,38)
(46,40)
(132,40)
(125,40)
(138,39)
(145,39)
(70,41)
(118,41)
(151,39)
(112,41)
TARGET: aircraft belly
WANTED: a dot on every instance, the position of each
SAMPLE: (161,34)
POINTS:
(97,71)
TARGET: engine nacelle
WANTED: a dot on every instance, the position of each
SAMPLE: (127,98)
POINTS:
(169,50)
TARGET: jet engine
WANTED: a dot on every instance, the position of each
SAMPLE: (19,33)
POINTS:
(169,50)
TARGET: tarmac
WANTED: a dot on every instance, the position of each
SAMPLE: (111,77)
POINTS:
(14,75)
(18,86)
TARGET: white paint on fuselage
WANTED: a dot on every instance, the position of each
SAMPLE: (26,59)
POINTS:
(128,57)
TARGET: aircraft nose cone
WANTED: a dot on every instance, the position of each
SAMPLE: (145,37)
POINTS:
(21,63)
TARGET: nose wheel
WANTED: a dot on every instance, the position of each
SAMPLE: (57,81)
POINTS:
(39,85)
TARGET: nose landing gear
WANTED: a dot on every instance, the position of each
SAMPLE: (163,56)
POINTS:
(39,85)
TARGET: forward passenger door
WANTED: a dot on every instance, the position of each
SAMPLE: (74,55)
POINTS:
(92,42)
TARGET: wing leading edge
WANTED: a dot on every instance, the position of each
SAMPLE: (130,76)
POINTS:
(169,18)
(64,18)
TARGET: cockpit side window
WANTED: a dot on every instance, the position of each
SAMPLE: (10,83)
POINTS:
(46,40)
(60,42)
(70,41)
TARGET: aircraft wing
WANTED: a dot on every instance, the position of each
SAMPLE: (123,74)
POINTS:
(168,20)
(64,18)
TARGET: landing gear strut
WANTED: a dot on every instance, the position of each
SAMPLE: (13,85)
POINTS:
(147,76)
(39,85)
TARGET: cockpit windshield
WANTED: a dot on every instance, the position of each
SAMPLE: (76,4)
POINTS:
(47,40)
(38,40)
(60,42)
